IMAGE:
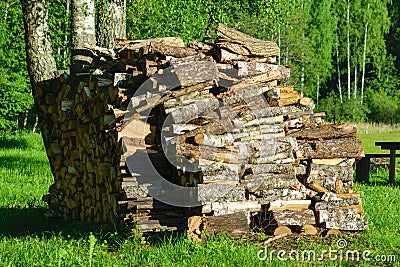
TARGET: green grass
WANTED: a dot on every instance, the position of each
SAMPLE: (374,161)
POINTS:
(27,239)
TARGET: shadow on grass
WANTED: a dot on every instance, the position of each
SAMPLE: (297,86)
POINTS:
(22,162)
(16,222)
(11,142)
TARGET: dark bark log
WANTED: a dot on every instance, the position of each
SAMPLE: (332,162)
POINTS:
(324,131)
(328,149)
(111,22)
(243,44)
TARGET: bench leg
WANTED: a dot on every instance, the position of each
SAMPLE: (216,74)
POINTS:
(392,168)
(362,170)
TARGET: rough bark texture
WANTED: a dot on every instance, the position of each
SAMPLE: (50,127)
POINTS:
(327,149)
(235,225)
(270,181)
(83,26)
(291,217)
(325,131)
(243,44)
(111,22)
(41,63)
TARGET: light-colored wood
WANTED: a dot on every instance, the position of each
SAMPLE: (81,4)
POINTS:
(282,231)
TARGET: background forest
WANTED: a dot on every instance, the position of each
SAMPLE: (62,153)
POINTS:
(345,54)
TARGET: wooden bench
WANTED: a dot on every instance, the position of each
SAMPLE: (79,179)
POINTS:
(363,166)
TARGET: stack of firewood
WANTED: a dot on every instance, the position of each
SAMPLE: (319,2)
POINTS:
(216,117)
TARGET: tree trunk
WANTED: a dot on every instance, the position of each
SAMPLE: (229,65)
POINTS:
(41,63)
(83,27)
(328,149)
(363,63)
(348,51)
(338,71)
(355,81)
(111,23)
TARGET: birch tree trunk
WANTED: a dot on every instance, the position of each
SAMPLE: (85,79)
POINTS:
(348,52)
(355,82)
(111,23)
(338,71)
(39,57)
(363,63)
(83,26)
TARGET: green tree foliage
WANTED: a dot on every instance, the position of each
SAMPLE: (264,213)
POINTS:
(15,98)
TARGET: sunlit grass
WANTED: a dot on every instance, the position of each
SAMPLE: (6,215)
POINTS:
(27,239)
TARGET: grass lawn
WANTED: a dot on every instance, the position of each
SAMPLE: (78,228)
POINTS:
(27,239)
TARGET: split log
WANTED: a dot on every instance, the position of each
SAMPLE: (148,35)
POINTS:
(267,196)
(246,69)
(290,217)
(222,208)
(289,205)
(333,232)
(347,226)
(282,231)
(327,149)
(226,56)
(282,96)
(340,203)
(241,43)
(325,131)
(258,121)
(234,225)
(277,168)
(173,51)
(269,181)
(220,192)
(194,110)
(218,171)
(338,215)
(137,44)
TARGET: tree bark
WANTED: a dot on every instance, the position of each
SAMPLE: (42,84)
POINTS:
(111,23)
(328,149)
(83,26)
(324,131)
(291,217)
(348,52)
(41,63)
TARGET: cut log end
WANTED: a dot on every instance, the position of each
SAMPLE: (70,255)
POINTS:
(282,230)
